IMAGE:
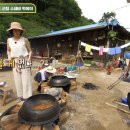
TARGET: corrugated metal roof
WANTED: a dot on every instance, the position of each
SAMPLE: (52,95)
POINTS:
(82,28)
(75,29)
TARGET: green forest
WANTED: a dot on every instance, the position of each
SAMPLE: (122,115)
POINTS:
(52,15)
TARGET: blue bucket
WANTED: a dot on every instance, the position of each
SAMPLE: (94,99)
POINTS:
(127,55)
(124,100)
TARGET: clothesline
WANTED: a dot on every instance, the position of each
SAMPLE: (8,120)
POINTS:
(104,49)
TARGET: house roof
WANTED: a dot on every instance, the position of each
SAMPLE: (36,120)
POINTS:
(79,29)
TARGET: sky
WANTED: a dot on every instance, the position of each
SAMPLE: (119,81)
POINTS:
(94,9)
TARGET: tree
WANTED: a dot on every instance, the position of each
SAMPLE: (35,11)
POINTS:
(107,17)
(51,15)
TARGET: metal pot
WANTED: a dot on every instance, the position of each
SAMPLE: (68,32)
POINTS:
(60,81)
(39,117)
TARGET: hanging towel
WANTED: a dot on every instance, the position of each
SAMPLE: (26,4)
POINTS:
(101,51)
(88,48)
(118,50)
(112,51)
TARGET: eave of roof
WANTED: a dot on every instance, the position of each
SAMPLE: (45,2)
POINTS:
(76,29)
(73,30)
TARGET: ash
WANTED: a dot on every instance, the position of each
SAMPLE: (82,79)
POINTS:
(75,96)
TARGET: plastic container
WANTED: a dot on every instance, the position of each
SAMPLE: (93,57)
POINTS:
(71,68)
(124,100)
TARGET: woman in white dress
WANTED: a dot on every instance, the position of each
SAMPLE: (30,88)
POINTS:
(19,50)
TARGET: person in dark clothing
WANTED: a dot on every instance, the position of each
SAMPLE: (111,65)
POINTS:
(122,64)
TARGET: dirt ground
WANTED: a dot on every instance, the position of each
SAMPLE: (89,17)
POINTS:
(88,110)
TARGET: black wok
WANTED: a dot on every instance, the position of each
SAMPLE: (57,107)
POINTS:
(39,117)
(60,81)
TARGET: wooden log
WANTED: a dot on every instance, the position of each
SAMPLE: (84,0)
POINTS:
(128,112)
(24,127)
(15,110)
(64,116)
(10,122)
(4,109)
(6,91)
(12,125)
(122,104)
(36,127)
(47,127)
(56,127)
(9,119)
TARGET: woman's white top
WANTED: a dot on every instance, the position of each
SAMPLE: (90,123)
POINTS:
(18,48)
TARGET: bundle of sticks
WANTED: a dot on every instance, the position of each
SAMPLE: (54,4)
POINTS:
(121,78)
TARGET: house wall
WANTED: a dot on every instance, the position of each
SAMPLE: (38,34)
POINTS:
(39,46)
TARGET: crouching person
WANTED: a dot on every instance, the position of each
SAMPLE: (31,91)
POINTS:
(43,75)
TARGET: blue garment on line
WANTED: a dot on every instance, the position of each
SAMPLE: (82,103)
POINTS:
(112,51)
(127,55)
(118,50)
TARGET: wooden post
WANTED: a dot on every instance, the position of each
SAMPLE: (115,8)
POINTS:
(78,56)
(48,51)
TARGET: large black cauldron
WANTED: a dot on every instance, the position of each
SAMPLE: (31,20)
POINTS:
(39,117)
(60,81)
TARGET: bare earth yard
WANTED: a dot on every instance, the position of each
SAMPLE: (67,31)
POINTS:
(88,110)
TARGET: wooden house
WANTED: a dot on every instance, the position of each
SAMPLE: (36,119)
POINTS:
(65,42)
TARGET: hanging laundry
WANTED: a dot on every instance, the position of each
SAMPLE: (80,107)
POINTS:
(105,49)
(127,55)
(88,48)
(91,53)
(112,51)
(118,50)
(101,51)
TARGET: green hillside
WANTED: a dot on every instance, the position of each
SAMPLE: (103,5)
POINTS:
(51,15)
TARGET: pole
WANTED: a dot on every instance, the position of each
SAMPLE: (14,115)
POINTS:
(78,57)
(48,50)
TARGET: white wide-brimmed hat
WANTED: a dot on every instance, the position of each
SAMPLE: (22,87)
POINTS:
(15,25)
(50,69)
